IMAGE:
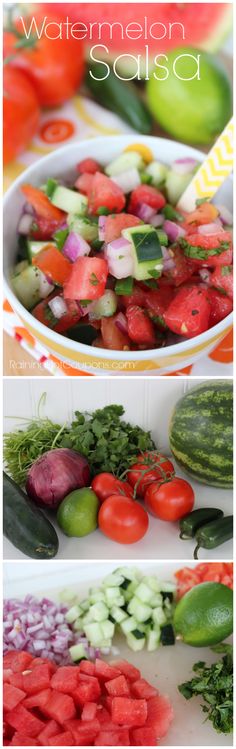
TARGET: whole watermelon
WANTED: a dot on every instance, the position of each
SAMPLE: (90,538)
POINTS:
(201,433)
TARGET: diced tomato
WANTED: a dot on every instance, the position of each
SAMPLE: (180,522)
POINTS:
(51,729)
(143,690)
(87,279)
(189,312)
(36,680)
(51,262)
(43,313)
(60,707)
(89,711)
(38,700)
(209,249)
(183,267)
(143,737)
(65,679)
(118,687)
(221,306)
(87,667)
(140,328)
(24,721)
(43,228)
(17,660)
(131,672)
(222,278)
(87,692)
(90,166)
(21,739)
(159,715)
(11,696)
(112,337)
(119,737)
(115,224)
(84,183)
(105,671)
(203,572)
(41,203)
(146,194)
(105,193)
(129,712)
(205,213)
(62,739)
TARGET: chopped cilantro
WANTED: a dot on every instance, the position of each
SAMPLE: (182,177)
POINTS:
(215,685)
(199,253)
(60,237)
(50,187)
(103,211)
(93,279)
(226,270)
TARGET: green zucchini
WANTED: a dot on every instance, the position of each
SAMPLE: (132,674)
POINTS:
(25,525)
(120,97)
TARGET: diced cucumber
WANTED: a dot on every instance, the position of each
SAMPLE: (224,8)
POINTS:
(124,162)
(69,201)
(167,635)
(146,251)
(153,639)
(88,617)
(141,611)
(114,580)
(158,615)
(156,600)
(34,248)
(176,184)
(113,596)
(77,652)
(134,643)
(118,614)
(130,573)
(99,612)
(167,587)
(68,596)
(30,285)
(78,624)
(84,605)
(96,597)
(105,306)
(83,226)
(73,614)
(128,625)
(108,629)
(153,583)
(144,593)
(158,172)
(94,633)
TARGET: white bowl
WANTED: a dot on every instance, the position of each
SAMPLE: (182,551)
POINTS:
(61,163)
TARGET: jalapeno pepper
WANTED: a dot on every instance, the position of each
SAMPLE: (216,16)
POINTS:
(190,524)
(214,534)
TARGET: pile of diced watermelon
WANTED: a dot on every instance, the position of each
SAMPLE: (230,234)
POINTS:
(92,704)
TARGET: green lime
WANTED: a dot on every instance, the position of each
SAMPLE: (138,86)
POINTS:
(204,616)
(77,514)
(194,111)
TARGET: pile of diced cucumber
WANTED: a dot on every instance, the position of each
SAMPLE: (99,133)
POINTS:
(141,607)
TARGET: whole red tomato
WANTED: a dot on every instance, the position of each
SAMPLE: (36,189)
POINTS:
(105,484)
(55,66)
(122,520)
(146,470)
(20,112)
(171,500)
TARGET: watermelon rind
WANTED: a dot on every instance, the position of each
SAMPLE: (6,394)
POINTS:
(201,433)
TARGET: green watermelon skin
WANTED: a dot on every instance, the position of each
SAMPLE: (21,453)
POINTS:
(201,433)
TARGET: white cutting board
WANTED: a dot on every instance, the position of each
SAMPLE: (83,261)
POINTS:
(165,668)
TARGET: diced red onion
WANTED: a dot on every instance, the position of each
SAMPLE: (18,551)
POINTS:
(85,309)
(75,246)
(145,212)
(28,208)
(212,228)
(119,257)
(157,220)
(184,166)
(205,275)
(45,286)
(225,215)
(121,322)
(128,180)
(58,307)
(168,260)
(101,228)
(173,230)
(25,224)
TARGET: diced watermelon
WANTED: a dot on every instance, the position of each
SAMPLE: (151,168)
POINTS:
(17,660)
(36,680)
(118,687)
(129,712)
(16,680)
(43,661)
(105,194)
(88,166)
(6,674)
(65,679)
(87,692)
(21,739)
(105,671)
(142,689)
(113,738)
(115,224)
(60,707)
(11,696)
(89,711)
(84,183)
(82,732)
(87,667)
(51,729)
(143,737)
(38,700)
(159,715)
(131,672)
(24,722)
(107,701)
(62,739)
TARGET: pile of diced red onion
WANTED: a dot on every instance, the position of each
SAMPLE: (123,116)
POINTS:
(40,628)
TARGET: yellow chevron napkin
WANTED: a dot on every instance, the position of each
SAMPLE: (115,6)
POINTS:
(212,172)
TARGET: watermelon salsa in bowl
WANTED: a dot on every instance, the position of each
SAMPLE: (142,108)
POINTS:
(105,270)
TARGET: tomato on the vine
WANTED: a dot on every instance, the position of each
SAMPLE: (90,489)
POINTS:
(105,484)
(122,520)
(149,467)
(170,500)
(20,112)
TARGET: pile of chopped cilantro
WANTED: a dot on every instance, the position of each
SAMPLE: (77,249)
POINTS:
(215,684)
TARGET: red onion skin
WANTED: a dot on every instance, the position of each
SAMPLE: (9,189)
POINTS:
(55,474)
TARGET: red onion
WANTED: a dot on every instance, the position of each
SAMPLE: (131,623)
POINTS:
(101,228)
(225,215)
(212,228)
(145,212)
(45,286)
(25,224)
(75,246)
(28,208)
(185,165)
(157,220)
(168,260)
(55,474)
(173,230)
(119,257)
(121,322)
(58,307)
(85,309)
(205,275)
(128,180)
